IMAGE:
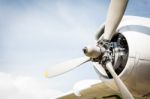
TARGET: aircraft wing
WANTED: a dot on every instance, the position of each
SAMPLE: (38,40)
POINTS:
(91,89)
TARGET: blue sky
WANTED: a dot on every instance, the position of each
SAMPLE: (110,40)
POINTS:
(36,34)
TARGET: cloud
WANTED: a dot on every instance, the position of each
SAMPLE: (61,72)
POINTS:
(21,87)
(37,35)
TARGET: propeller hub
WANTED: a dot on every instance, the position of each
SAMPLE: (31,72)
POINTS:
(92,51)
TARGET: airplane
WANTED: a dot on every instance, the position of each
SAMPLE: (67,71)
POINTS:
(120,57)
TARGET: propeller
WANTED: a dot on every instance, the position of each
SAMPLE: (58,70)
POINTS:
(89,51)
(114,16)
(65,67)
(96,52)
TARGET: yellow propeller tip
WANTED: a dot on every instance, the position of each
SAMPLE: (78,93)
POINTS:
(46,73)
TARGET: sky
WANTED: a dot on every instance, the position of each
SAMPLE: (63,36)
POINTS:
(37,34)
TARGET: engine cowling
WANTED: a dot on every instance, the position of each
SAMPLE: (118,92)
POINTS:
(134,66)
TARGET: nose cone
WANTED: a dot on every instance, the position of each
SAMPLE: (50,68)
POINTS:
(92,51)
(85,50)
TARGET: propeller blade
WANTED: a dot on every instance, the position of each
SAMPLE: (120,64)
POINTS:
(122,87)
(99,68)
(65,67)
(114,16)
